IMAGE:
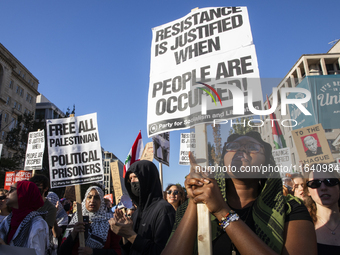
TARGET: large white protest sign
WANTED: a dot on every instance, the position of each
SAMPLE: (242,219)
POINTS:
(74,151)
(187,144)
(213,46)
(35,150)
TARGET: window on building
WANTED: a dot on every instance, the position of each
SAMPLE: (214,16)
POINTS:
(39,114)
(21,92)
(30,100)
(15,104)
(3,134)
(291,141)
(330,68)
(17,90)
(6,117)
(19,107)
(10,84)
(8,102)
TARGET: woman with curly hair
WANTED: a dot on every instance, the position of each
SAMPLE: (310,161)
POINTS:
(175,195)
(248,215)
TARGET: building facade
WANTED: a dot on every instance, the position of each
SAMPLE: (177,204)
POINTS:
(47,110)
(109,157)
(308,65)
(18,92)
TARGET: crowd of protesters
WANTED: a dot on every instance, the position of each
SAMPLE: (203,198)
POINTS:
(299,215)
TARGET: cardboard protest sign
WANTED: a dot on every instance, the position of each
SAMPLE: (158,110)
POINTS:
(74,151)
(283,159)
(148,152)
(209,45)
(312,145)
(35,150)
(116,183)
(187,143)
(13,177)
(161,148)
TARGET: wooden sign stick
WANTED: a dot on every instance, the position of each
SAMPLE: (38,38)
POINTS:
(81,235)
(204,235)
(80,215)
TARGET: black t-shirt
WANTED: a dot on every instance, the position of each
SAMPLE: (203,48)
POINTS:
(223,245)
(328,249)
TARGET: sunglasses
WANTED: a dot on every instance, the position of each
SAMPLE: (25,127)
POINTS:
(3,197)
(250,147)
(170,191)
(317,183)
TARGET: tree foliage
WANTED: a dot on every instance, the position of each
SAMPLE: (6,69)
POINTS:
(217,150)
(16,138)
(242,127)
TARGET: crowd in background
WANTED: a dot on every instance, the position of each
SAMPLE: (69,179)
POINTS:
(248,216)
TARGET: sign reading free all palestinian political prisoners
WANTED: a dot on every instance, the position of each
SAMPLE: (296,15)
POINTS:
(201,65)
(74,151)
(35,150)
(312,145)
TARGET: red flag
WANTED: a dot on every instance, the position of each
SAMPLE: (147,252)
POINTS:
(135,153)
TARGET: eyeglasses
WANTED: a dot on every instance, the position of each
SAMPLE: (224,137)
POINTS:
(170,191)
(317,183)
(250,147)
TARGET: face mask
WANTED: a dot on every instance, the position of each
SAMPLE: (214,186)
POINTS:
(67,207)
(135,188)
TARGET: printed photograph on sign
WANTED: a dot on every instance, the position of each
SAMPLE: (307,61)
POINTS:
(311,145)
(161,148)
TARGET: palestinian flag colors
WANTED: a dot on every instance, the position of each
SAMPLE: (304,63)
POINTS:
(278,138)
(134,154)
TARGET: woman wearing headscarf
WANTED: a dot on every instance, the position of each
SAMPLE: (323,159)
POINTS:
(249,215)
(25,227)
(99,239)
(60,223)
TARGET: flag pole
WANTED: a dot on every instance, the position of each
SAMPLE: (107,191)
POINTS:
(161,174)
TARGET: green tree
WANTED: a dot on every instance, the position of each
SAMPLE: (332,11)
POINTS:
(16,139)
(243,127)
(69,112)
(216,155)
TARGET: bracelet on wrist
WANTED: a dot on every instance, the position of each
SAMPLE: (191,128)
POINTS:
(230,216)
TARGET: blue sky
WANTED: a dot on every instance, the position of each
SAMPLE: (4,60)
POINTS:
(96,54)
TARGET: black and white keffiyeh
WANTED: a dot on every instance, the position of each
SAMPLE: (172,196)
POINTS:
(99,222)
(62,217)
(23,230)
